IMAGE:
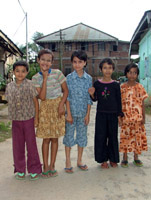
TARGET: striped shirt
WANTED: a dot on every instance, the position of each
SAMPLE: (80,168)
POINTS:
(54,81)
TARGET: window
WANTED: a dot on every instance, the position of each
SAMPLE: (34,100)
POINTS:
(101,46)
(53,47)
(68,47)
(84,46)
(113,47)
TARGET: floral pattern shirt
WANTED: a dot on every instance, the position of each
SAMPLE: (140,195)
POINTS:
(108,96)
(20,100)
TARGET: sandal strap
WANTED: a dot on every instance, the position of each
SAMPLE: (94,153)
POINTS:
(21,174)
(124,162)
(138,161)
(33,175)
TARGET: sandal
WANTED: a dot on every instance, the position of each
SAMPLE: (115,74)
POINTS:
(34,177)
(138,163)
(124,163)
(46,174)
(113,164)
(104,165)
(83,167)
(20,176)
(53,173)
(69,170)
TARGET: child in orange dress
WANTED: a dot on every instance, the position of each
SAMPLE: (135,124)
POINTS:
(133,135)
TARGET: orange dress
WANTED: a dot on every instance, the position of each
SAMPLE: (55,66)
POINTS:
(133,134)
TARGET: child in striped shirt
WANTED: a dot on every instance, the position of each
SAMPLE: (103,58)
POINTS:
(52,89)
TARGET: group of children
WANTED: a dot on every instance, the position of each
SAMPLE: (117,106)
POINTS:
(72,96)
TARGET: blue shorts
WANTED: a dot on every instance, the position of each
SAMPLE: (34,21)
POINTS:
(81,133)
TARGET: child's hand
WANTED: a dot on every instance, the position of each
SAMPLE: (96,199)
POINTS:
(44,74)
(86,120)
(69,119)
(143,121)
(61,110)
(91,91)
(119,121)
(36,121)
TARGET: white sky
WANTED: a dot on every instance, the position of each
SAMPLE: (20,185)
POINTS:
(118,18)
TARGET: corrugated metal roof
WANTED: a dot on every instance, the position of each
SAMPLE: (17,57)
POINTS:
(143,26)
(8,45)
(79,32)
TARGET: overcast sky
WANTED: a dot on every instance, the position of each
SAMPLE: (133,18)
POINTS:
(118,18)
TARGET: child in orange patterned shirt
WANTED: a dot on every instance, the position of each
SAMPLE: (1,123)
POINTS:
(133,135)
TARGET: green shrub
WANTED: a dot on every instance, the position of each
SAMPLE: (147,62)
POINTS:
(2,83)
(5,131)
(33,69)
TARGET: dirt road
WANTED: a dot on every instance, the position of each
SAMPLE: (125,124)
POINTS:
(132,183)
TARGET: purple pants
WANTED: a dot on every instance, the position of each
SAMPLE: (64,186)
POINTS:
(24,132)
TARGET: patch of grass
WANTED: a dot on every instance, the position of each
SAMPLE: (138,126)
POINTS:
(148,109)
(5,131)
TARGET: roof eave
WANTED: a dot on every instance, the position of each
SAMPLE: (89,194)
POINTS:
(136,38)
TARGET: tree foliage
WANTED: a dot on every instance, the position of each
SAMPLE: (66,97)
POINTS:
(33,48)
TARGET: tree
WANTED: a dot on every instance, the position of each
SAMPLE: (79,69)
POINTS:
(33,48)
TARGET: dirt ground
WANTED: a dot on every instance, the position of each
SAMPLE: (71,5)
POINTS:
(132,183)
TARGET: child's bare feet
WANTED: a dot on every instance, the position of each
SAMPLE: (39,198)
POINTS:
(53,173)
(114,165)
(104,165)
(83,167)
(69,170)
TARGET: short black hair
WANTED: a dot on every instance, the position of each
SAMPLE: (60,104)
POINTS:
(108,61)
(45,51)
(21,63)
(80,54)
(129,67)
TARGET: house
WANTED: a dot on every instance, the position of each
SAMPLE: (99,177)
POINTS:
(8,52)
(140,44)
(96,43)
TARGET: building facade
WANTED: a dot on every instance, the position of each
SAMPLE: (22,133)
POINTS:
(96,43)
(9,52)
(140,45)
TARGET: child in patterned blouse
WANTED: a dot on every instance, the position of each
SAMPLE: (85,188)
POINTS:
(78,109)
(23,111)
(133,134)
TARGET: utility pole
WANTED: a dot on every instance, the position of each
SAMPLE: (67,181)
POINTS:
(25,13)
(26,39)
(60,48)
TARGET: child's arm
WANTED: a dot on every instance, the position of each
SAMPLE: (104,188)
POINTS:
(36,111)
(61,109)
(143,112)
(119,121)
(42,91)
(87,117)
(91,92)
(69,116)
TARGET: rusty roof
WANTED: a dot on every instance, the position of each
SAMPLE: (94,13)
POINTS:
(8,45)
(77,33)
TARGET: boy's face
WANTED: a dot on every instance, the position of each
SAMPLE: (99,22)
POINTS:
(20,73)
(107,70)
(78,64)
(45,62)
